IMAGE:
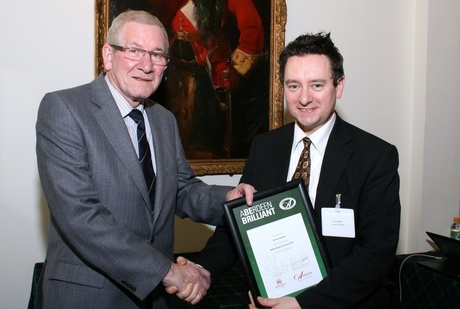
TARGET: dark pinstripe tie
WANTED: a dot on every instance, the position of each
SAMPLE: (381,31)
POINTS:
(145,156)
(303,167)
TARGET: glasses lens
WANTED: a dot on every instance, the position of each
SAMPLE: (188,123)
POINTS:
(137,54)
(134,53)
(159,58)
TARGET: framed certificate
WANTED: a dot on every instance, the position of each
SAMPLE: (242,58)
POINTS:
(277,241)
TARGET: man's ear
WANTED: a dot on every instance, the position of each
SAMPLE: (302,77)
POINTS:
(107,55)
(339,88)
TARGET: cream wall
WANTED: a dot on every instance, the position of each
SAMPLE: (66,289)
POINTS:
(402,68)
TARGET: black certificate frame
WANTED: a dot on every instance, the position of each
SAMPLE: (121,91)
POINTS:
(276,206)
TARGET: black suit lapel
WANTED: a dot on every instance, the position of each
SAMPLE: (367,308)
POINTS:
(337,154)
(282,153)
(268,162)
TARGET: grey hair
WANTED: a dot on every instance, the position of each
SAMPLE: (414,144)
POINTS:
(142,17)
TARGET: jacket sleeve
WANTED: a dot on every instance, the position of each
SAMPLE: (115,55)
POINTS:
(251,38)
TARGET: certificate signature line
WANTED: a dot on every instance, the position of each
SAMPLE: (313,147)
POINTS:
(272,264)
(302,259)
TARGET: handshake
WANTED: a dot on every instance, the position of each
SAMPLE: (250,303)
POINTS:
(189,281)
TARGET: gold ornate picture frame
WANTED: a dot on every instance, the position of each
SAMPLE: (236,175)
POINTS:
(277,21)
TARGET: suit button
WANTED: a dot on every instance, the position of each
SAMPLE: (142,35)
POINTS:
(128,285)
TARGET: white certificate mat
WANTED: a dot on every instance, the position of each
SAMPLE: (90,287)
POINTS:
(278,242)
(285,256)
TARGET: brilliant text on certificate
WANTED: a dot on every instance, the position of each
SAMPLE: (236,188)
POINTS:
(257,212)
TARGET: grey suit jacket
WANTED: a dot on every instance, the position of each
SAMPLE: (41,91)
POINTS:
(105,249)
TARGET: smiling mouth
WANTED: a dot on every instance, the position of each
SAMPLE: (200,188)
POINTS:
(307,110)
(142,79)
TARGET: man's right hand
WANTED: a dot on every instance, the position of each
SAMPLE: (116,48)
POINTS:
(187,280)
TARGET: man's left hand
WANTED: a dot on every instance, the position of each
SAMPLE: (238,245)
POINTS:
(242,189)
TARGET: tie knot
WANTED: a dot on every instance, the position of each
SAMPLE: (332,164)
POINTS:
(136,115)
(306,141)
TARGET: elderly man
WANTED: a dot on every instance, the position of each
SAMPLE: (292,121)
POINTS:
(114,175)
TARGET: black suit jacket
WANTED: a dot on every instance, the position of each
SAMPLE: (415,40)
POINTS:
(356,163)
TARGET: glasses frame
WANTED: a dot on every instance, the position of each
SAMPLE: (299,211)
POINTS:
(143,52)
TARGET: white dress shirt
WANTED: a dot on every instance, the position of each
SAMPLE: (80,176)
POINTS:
(319,140)
(125,108)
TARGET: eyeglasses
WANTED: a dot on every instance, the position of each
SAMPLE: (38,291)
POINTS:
(136,54)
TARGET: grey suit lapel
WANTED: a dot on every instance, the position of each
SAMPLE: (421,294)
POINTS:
(113,126)
(162,156)
(158,154)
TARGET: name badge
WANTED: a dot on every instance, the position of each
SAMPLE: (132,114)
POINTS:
(338,222)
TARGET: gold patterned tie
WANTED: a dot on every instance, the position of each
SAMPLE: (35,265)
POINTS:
(303,167)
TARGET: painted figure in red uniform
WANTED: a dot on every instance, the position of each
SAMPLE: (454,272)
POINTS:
(217,82)
(206,67)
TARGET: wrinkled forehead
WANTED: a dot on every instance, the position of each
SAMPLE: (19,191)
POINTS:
(147,36)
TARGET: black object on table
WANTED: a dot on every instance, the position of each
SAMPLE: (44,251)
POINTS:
(421,287)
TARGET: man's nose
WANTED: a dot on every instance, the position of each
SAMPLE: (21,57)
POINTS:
(305,96)
(146,64)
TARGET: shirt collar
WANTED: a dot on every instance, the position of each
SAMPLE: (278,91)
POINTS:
(318,138)
(123,105)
